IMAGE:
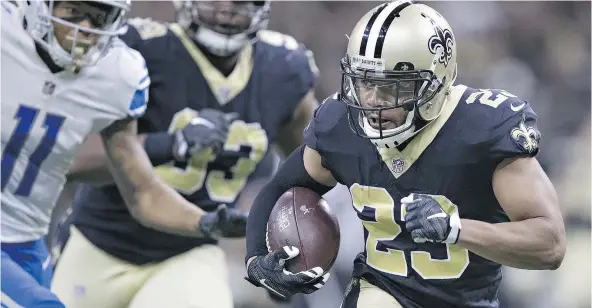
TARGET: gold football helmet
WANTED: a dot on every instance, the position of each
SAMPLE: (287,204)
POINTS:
(222,27)
(399,67)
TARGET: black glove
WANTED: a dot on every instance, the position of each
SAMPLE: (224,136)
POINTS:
(431,218)
(223,222)
(278,299)
(208,130)
(268,272)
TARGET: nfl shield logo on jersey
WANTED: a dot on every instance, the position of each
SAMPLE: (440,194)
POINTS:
(48,88)
(224,93)
(397,165)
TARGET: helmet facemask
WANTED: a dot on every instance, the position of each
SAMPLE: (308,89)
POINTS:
(385,104)
(223,28)
(57,27)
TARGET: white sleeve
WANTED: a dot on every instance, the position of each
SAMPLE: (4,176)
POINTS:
(139,102)
(136,80)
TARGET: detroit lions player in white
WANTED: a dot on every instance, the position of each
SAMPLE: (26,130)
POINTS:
(66,75)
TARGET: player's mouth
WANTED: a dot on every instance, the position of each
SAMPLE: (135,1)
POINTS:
(81,44)
(381,124)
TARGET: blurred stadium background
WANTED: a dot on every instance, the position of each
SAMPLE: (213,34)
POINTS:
(539,51)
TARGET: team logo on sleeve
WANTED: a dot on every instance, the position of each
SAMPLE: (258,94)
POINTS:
(527,137)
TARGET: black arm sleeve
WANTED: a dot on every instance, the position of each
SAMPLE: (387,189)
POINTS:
(159,148)
(290,174)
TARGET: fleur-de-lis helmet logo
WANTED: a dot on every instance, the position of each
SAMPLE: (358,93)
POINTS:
(442,39)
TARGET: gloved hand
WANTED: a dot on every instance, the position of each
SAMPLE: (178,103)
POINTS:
(208,130)
(223,222)
(268,271)
(427,221)
(278,299)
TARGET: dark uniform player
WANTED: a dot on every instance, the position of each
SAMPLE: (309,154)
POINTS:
(421,157)
(207,66)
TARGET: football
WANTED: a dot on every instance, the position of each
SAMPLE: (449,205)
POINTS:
(303,219)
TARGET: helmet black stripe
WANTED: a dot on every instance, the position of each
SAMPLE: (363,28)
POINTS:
(385,27)
(368,27)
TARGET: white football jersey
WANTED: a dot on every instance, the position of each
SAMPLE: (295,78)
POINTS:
(47,116)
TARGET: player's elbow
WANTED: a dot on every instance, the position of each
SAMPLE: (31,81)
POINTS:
(552,257)
(138,212)
(141,206)
(556,259)
(557,250)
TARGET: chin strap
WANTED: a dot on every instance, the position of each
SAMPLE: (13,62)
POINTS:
(394,140)
(220,44)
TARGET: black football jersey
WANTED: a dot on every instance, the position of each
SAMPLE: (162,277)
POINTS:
(270,79)
(454,156)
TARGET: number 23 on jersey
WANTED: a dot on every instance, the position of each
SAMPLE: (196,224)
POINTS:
(385,230)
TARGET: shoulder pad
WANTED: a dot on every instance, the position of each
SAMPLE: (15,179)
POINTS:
(278,39)
(325,119)
(147,36)
(132,66)
(134,77)
(148,28)
(289,67)
(155,43)
(12,17)
(329,113)
(11,9)
(300,61)
(500,122)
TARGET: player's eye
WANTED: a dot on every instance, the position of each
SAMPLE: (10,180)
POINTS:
(66,11)
(98,19)
(77,12)
(72,11)
(364,83)
(407,86)
(96,22)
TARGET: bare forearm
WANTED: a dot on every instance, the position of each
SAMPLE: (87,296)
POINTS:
(149,200)
(162,208)
(91,166)
(528,244)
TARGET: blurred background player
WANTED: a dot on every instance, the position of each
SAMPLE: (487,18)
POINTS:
(217,61)
(497,50)
(66,75)
(442,176)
